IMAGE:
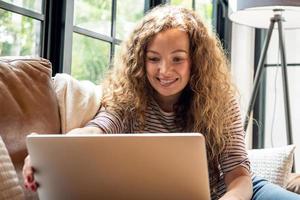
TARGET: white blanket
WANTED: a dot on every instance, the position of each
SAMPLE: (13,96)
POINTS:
(78,101)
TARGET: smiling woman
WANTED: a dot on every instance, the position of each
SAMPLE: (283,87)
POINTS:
(172,76)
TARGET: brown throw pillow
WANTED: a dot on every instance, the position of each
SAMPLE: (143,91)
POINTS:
(28,103)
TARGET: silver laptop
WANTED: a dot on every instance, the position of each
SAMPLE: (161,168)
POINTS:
(120,166)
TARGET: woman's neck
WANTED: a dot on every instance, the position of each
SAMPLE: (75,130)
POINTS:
(166,103)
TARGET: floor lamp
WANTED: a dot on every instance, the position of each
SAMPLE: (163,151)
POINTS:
(266,14)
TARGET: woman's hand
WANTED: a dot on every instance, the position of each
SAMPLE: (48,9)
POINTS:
(228,197)
(85,130)
(239,185)
(28,175)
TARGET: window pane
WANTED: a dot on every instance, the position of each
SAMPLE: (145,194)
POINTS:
(205,9)
(19,35)
(128,13)
(182,3)
(35,5)
(94,15)
(90,58)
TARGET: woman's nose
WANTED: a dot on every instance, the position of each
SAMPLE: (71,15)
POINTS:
(164,68)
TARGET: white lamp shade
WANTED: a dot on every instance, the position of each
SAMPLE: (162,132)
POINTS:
(257,13)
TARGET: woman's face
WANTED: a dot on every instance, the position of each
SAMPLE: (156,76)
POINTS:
(168,63)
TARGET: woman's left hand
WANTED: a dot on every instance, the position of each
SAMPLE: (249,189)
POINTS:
(239,185)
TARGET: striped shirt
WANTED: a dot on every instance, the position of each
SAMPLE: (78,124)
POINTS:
(157,120)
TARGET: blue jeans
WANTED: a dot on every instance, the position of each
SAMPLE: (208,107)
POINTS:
(264,190)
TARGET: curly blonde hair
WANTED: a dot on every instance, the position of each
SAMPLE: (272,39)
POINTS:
(204,103)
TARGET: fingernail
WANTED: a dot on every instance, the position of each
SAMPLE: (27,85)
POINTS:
(29,179)
(33,187)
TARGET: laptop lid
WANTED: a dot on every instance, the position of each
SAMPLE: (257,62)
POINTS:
(120,166)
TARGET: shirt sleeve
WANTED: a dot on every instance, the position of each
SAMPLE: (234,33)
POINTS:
(108,122)
(235,153)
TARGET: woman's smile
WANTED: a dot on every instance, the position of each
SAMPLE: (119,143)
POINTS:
(167,82)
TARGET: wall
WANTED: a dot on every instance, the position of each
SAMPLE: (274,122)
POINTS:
(242,61)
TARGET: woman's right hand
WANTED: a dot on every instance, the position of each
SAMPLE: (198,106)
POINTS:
(28,175)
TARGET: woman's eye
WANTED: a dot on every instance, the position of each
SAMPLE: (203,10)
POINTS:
(177,59)
(153,59)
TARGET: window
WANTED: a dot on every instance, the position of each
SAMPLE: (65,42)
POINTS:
(79,37)
(203,7)
(21,27)
(183,3)
(90,57)
(97,34)
(128,14)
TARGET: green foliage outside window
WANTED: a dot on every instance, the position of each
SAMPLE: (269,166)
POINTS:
(203,7)
(183,3)
(19,35)
(91,57)
(205,10)
(35,5)
(93,15)
(129,12)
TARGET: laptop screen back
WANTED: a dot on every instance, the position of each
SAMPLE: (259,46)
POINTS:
(120,166)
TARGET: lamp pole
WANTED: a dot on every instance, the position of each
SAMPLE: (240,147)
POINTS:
(277,18)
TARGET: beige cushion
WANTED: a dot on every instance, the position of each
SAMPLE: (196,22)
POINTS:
(79,101)
(273,164)
(9,183)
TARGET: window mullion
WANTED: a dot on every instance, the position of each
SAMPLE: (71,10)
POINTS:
(68,36)
(46,29)
(113,28)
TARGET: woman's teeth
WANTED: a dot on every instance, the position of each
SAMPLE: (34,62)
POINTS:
(167,82)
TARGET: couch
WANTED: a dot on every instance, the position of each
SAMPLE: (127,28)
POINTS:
(31,100)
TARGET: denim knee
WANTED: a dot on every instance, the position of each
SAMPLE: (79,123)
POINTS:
(264,190)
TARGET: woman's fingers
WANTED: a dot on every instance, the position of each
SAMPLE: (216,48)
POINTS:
(31,186)
(28,170)
(28,175)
